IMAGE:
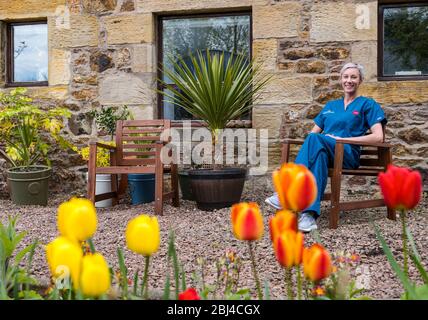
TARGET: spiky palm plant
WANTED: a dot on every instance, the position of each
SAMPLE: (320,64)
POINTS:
(214,89)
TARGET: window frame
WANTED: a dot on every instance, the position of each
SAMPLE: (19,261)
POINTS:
(386,5)
(10,58)
(159,46)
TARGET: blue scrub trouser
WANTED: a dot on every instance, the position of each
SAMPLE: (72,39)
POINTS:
(317,154)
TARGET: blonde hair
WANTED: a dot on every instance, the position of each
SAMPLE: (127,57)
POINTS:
(350,65)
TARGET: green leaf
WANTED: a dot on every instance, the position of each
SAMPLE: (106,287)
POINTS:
(135,283)
(422,292)
(123,273)
(30,295)
(363,298)
(266,290)
(167,288)
(412,244)
(394,265)
(183,279)
(420,268)
(416,257)
(172,254)
(21,254)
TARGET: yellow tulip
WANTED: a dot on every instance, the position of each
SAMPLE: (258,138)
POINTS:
(247,221)
(64,258)
(143,235)
(95,277)
(296,186)
(77,219)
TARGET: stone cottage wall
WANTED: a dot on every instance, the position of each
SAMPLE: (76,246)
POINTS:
(103,52)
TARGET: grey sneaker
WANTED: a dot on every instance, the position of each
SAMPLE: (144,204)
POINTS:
(273,202)
(307,222)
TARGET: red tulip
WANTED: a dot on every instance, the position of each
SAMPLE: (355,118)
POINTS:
(247,221)
(401,187)
(281,221)
(296,186)
(189,294)
(288,247)
(316,262)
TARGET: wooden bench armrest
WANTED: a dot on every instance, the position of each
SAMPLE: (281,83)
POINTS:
(368,144)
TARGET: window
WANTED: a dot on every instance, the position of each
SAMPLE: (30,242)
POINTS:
(27,59)
(403,30)
(180,36)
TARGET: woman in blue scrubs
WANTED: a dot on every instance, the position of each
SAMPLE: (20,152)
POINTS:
(349,117)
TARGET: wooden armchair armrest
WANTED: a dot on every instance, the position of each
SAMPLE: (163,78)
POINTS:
(369,144)
(102,145)
(292,141)
(285,148)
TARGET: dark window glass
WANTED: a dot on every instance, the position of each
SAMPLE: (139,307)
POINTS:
(29,54)
(181,36)
(405,41)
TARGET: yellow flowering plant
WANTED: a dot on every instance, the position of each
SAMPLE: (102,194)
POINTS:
(28,130)
(103,155)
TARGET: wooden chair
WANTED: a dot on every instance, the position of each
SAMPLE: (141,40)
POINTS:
(138,149)
(374,158)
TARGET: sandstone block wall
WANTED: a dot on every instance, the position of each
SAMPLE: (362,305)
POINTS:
(103,52)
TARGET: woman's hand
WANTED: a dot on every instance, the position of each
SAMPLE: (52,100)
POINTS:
(375,137)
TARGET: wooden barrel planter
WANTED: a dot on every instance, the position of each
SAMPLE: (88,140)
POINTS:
(216,189)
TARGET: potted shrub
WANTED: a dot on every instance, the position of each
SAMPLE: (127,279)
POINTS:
(26,132)
(216,89)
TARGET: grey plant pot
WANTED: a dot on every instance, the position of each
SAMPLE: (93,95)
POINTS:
(29,185)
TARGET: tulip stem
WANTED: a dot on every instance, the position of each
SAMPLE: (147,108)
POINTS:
(288,283)
(91,245)
(299,283)
(405,251)
(256,277)
(145,285)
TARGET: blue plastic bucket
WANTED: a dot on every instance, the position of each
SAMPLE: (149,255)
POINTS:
(142,187)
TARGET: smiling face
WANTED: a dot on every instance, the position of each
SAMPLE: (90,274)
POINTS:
(350,80)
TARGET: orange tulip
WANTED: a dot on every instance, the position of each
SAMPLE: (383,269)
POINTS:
(282,220)
(296,186)
(401,187)
(316,263)
(247,221)
(288,248)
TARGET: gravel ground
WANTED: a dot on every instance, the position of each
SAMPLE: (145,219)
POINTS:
(208,235)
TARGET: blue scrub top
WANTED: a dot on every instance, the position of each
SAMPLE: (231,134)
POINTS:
(360,115)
